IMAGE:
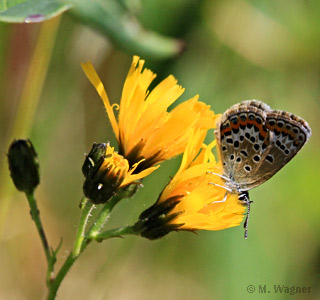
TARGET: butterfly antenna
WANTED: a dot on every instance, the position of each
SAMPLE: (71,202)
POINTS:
(244,197)
(247,222)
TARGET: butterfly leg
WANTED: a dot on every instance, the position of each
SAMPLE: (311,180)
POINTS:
(221,176)
(222,186)
(223,200)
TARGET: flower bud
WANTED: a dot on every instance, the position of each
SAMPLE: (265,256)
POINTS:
(23,165)
(155,222)
(104,170)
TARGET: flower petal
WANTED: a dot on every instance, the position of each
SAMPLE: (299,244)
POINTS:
(97,83)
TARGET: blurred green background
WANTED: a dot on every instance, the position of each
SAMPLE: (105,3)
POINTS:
(235,50)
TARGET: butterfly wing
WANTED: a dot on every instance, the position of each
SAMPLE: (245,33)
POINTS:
(255,142)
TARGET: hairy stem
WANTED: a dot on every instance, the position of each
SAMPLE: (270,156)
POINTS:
(102,218)
(86,211)
(82,240)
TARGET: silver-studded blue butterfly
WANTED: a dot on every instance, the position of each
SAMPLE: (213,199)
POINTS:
(255,142)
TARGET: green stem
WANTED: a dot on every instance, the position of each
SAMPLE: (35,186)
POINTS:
(71,258)
(102,219)
(86,211)
(35,214)
(60,276)
(116,232)
(82,241)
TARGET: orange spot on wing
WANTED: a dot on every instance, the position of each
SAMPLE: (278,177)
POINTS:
(235,126)
(242,122)
(271,127)
(225,130)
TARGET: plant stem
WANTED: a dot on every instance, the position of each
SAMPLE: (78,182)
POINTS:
(82,240)
(116,232)
(35,214)
(86,211)
(60,276)
(71,258)
(102,218)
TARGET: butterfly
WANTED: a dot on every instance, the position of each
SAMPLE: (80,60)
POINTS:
(254,143)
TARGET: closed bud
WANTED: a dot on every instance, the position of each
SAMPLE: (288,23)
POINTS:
(156,221)
(23,165)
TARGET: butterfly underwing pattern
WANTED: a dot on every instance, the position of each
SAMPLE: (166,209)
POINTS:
(254,143)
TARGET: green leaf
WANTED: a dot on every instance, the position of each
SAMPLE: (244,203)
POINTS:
(5,4)
(116,20)
(31,11)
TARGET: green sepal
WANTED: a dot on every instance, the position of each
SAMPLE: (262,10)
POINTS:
(129,190)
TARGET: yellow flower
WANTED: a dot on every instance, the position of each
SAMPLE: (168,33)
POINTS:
(107,172)
(145,129)
(191,200)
